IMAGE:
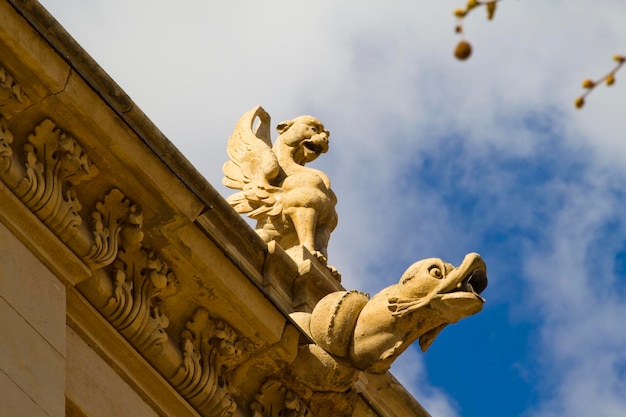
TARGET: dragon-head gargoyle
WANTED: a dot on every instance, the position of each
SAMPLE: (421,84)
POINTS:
(358,333)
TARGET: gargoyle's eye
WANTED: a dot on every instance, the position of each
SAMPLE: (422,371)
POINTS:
(435,272)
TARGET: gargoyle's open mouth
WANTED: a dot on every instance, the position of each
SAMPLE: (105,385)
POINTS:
(314,147)
(475,282)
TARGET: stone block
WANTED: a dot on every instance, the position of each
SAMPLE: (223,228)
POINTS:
(29,360)
(97,389)
(15,402)
(32,290)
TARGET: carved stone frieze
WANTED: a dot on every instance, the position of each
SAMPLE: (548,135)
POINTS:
(46,177)
(211,348)
(108,219)
(55,163)
(138,279)
(140,276)
(12,98)
(6,138)
(276,400)
(141,280)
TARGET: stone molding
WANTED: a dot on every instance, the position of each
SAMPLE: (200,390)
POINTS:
(12,96)
(138,279)
(276,400)
(53,165)
(48,179)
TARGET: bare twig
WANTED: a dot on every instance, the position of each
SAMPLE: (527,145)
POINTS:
(464,49)
(609,79)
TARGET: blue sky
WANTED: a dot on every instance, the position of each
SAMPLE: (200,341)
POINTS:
(430,157)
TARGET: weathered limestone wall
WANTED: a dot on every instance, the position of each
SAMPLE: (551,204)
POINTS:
(32,339)
(94,388)
(42,360)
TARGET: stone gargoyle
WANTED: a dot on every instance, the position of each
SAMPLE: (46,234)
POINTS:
(291,203)
(352,332)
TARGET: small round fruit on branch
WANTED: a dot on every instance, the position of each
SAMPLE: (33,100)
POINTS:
(463,50)
(588,83)
(579,102)
(610,79)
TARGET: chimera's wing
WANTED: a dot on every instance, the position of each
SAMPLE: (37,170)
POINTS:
(252,165)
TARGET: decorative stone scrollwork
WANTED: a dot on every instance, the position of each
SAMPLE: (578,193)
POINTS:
(10,88)
(6,138)
(12,97)
(54,164)
(108,220)
(140,277)
(211,348)
(141,281)
(276,400)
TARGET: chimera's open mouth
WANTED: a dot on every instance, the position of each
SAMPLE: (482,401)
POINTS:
(313,147)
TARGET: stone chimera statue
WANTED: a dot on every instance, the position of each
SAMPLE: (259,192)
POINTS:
(355,332)
(292,204)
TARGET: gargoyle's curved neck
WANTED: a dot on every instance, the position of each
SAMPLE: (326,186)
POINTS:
(287,157)
(380,336)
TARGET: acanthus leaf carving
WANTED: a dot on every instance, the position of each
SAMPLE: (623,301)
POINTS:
(141,279)
(108,219)
(12,97)
(274,399)
(6,138)
(54,164)
(210,348)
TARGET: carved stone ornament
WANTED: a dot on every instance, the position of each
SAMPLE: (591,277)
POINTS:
(108,220)
(140,278)
(353,332)
(12,97)
(211,348)
(6,138)
(276,400)
(292,204)
(141,281)
(134,280)
(55,163)
(46,177)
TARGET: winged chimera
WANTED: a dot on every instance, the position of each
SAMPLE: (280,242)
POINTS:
(291,203)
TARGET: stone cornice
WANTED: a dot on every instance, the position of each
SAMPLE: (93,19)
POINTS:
(158,266)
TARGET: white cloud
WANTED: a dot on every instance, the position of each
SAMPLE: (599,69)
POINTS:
(581,303)
(409,370)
